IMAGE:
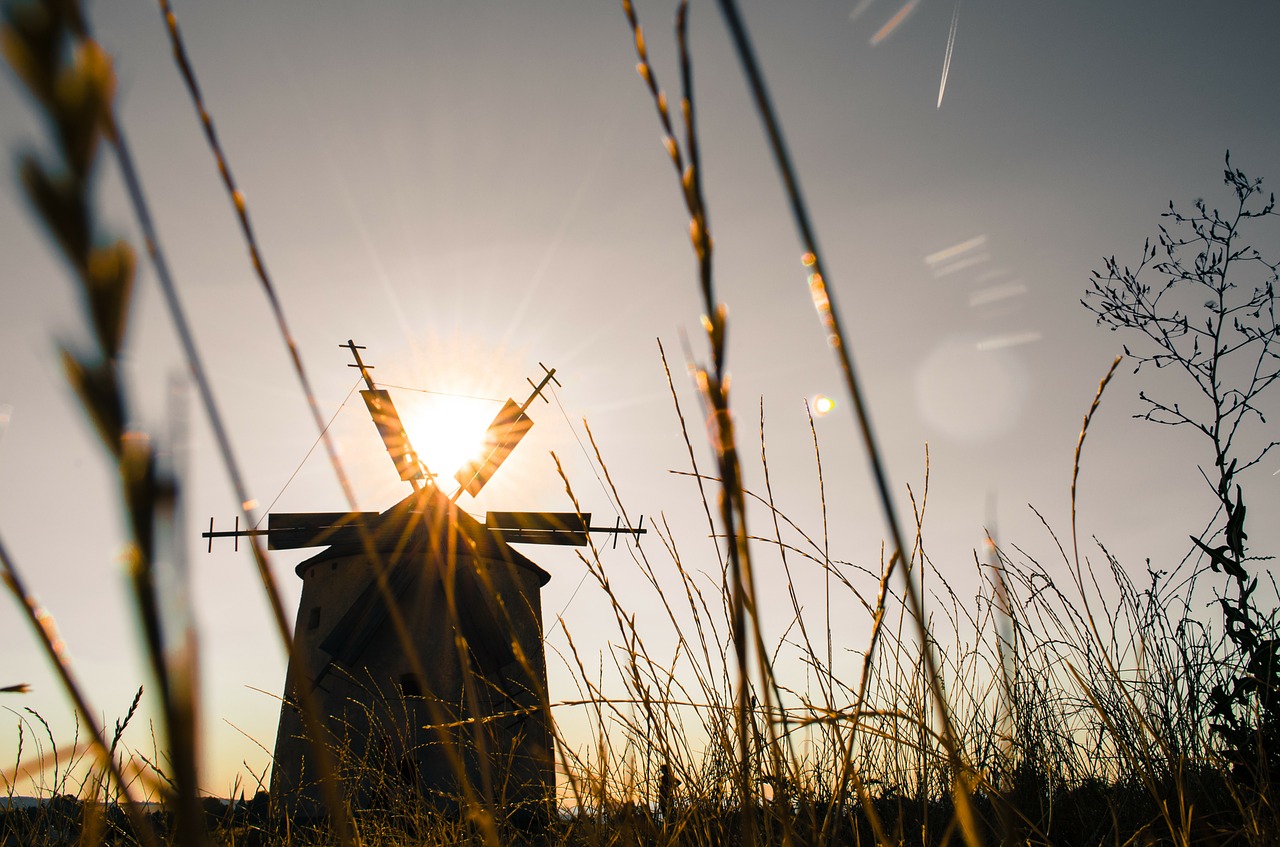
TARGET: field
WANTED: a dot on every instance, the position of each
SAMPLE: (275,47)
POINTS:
(1061,699)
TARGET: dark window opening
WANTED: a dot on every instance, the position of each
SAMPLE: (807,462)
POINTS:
(314,620)
(409,686)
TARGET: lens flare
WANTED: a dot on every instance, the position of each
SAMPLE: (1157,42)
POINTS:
(894,22)
(957,257)
(821,405)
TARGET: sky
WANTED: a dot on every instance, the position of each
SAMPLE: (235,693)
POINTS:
(470,189)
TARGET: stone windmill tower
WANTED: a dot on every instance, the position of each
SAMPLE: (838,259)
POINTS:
(419,638)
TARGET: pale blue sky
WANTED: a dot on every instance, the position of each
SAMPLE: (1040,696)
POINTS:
(470,188)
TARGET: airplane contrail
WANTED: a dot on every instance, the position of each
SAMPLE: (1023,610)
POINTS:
(946,60)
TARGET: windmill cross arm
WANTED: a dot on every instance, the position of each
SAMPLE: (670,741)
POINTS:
(562,528)
(292,530)
(537,389)
(364,369)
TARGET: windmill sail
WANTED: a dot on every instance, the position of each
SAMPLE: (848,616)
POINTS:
(387,419)
(503,435)
(568,528)
(291,530)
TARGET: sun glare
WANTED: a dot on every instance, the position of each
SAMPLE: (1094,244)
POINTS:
(445,430)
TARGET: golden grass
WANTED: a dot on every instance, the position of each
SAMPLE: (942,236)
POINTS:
(1055,715)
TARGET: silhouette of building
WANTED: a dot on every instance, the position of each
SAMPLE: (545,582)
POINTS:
(460,694)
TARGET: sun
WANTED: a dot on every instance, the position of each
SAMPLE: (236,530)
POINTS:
(445,430)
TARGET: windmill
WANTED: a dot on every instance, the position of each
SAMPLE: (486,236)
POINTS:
(419,635)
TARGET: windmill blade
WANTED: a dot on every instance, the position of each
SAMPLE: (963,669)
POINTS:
(567,528)
(387,419)
(500,439)
(292,530)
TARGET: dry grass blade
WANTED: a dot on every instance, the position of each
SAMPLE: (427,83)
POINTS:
(240,205)
(830,318)
(27,770)
(1075,464)
(1078,573)
(73,82)
(693,459)
(312,719)
(45,631)
(713,384)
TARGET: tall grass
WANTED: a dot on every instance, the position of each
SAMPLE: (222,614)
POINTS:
(1078,731)
(1044,708)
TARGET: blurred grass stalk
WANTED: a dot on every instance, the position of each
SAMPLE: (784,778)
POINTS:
(72,83)
(714,386)
(478,801)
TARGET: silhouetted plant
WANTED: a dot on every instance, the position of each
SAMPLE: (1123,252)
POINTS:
(1205,299)
(71,82)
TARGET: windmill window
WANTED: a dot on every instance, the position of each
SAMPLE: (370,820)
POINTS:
(314,620)
(409,686)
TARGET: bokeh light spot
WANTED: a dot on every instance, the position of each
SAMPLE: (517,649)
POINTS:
(822,405)
(970,394)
